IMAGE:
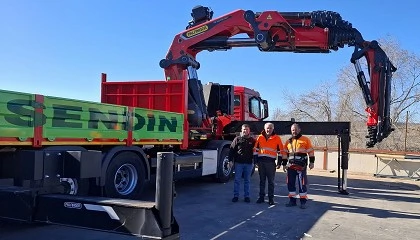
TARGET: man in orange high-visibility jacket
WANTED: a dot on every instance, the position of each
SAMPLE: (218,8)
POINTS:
(298,148)
(268,148)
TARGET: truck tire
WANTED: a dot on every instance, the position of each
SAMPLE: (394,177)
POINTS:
(125,176)
(224,172)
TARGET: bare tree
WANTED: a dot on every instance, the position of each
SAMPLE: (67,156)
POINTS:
(317,105)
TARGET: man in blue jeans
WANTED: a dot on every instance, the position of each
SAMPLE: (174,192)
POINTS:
(241,155)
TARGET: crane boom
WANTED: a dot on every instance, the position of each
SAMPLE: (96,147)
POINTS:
(298,32)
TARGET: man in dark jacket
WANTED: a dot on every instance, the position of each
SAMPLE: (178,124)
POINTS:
(241,156)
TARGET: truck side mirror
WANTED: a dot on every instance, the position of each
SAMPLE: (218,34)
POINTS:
(265,109)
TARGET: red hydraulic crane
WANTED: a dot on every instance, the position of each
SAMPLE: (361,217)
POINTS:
(273,31)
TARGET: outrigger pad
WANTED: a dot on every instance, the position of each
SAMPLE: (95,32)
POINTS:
(120,216)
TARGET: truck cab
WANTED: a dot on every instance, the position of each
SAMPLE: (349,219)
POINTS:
(248,105)
(238,103)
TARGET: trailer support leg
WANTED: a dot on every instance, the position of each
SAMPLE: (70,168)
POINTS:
(164,189)
(344,142)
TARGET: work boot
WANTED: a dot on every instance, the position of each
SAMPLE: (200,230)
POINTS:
(260,200)
(291,203)
(247,199)
(303,203)
(235,199)
(271,201)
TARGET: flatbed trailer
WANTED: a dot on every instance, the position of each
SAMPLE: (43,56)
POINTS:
(108,142)
(80,163)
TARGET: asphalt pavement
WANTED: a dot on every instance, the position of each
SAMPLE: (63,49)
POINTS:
(376,208)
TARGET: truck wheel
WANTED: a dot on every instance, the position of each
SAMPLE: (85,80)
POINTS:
(224,172)
(125,176)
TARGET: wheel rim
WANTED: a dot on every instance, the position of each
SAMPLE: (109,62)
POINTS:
(226,168)
(125,179)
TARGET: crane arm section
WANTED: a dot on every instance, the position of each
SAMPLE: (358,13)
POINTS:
(298,32)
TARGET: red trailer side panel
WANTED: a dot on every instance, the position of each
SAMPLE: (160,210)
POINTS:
(157,95)
(169,96)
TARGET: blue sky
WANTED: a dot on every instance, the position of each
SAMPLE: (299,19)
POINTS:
(60,47)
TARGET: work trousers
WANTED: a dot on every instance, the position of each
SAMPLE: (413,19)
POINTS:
(242,169)
(302,180)
(267,171)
